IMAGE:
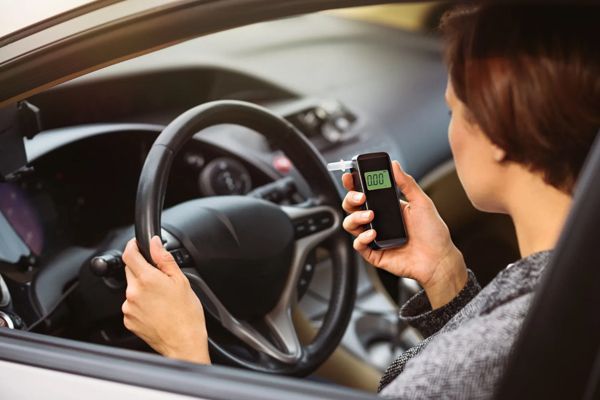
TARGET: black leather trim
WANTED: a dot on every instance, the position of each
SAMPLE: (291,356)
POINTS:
(151,191)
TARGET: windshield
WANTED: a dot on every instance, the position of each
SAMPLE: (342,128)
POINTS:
(15,18)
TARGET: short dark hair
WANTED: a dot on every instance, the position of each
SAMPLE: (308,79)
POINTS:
(529,76)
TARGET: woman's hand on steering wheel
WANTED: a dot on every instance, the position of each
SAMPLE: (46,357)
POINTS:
(161,307)
(429,257)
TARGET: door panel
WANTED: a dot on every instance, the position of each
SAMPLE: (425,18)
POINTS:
(100,369)
(31,383)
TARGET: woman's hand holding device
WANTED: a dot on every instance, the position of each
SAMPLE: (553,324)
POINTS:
(429,256)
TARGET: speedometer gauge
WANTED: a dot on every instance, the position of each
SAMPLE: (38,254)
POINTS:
(224,176)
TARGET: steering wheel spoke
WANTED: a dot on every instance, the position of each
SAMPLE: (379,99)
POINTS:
(278,321)
(282,327)
(312,225)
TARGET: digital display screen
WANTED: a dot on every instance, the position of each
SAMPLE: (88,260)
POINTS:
(378,179)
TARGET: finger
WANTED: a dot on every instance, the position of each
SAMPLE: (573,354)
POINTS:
(126,307)
(354,223)
(404,205)
(162,258)
(407,184)
(129,276)
(132,293)
(127,322)
(134,259)
(363,240)
(348,181)
(132,290)
(353,201)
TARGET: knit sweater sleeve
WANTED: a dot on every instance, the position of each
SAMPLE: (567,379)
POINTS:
(417,310)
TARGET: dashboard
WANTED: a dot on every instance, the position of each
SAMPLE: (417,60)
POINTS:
(86,186)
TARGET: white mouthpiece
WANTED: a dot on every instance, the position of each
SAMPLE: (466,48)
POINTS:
(339,166)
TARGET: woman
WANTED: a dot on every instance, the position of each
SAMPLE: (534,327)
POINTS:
(524,96)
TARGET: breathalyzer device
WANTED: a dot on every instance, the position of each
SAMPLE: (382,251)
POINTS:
(372,175)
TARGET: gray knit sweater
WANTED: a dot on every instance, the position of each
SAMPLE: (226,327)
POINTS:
(468,340)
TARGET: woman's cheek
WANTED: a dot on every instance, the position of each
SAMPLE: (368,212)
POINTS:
(460,152)
(451,135)
(455,144)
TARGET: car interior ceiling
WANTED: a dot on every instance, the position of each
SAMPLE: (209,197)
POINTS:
(80,192)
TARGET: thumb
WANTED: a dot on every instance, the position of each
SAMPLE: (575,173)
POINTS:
(407,184)
(162,258)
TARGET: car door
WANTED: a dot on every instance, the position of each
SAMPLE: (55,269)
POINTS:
(35,366)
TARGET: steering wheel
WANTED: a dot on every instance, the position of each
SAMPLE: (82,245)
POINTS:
(248,254)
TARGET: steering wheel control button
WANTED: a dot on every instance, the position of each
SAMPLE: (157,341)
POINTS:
(326,220)
(182,257)
(312,224)
(301,229)
(306,275)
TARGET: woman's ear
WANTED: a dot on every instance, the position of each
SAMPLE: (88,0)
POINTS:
(498,153)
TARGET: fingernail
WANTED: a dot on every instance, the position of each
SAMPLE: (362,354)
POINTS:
(365,215)
(357,196)
(370,232)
